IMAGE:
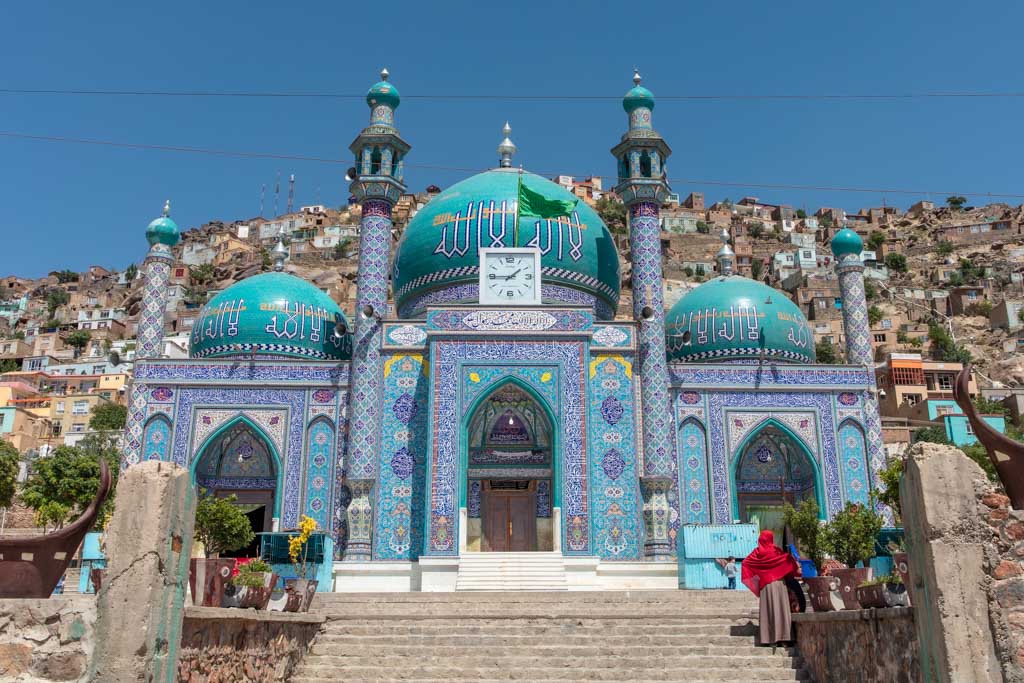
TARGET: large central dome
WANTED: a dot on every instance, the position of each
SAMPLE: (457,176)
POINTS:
(437,260)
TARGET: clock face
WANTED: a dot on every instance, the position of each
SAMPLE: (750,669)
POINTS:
(511,277)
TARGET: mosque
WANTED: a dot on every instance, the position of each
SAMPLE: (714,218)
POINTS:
(486,399)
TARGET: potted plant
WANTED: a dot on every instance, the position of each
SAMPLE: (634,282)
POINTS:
(850,538)
(805,524)
(900,563)
(221,528)
(252,581)
(298,552)
(871,593)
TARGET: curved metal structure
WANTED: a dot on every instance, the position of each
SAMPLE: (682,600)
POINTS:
(31,567)
(1006,454)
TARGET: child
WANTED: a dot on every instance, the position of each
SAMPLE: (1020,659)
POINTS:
(731,572)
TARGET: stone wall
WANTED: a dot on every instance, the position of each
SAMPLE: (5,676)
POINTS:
(243,646)
(1006,591)
(46,640)
(867,646)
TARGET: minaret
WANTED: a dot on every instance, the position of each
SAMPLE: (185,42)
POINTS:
(507,148)
(641,162)
(377,184)
(725,257)
(162,235)
(846,249)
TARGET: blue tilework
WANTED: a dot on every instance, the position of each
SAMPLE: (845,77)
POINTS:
(854,462)
(157,438)
(693,468)
(319,462)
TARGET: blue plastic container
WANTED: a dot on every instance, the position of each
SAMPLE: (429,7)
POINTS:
(92,558)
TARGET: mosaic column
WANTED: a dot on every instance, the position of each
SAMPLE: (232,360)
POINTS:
(377,184)
(846,247)
(640,157)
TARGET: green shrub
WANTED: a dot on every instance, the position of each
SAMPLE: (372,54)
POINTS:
(850,535)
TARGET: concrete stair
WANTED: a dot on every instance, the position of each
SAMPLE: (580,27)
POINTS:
(541,636)
(543,571)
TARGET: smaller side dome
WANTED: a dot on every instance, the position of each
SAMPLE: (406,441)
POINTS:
(383,93)
(638,96)
(163,230)
(274,315)
(736,318)
(845,243)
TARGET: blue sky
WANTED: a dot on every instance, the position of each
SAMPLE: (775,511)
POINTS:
(69,206)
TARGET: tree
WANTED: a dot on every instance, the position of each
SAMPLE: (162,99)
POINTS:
(983,307)
(800,213)
(8,473)
(987,406)
(63,484)
(850,536)
(131,272)
(612,212)
(826,221)
(876,239)
(870,291)
(8,365)
(756,269)
(875,315)
(688,271)
(108,417)
(18,334)
(341,249)
(755,230)
(933,434)
(944,348)
(804,522)
(220,525)
(956,201)
(265,259)
(896,262)
(202,273)
(78,340)
(944,248)
(890,476)
(727,203)
(825,352)
(703,228)
(979,454)
(56,298)
(65,276)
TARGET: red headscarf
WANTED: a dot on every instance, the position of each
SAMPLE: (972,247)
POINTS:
(766,564)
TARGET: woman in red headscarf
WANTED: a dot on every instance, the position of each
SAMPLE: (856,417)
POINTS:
(764,572)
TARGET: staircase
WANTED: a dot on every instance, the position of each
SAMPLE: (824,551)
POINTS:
(511,572)
(542,637)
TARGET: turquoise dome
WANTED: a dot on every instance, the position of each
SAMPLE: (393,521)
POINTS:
(383,93)
(163,231)
(639,96)
(437,259)
(846,242)
(736,318)
(273,314)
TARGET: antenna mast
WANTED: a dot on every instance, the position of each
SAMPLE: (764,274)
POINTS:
(291,192)
(263,194)
(277,194)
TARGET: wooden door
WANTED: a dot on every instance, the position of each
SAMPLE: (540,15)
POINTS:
(509,520)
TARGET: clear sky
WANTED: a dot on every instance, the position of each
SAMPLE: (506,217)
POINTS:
(69,205)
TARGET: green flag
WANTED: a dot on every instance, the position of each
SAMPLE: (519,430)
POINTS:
(533,203)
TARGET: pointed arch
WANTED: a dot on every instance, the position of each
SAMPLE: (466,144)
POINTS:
(851,448)
(241,419)
(156,438)
(803,450)
(693,472)
(548,412)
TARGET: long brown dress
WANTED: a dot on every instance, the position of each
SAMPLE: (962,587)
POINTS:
(776,623)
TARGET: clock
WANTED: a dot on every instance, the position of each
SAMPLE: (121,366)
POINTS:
(510,275)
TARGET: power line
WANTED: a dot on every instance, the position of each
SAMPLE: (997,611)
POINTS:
(507,97)
(471,169)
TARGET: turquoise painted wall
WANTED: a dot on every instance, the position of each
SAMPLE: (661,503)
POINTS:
(957,428)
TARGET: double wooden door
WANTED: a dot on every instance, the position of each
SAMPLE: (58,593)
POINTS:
(509,518)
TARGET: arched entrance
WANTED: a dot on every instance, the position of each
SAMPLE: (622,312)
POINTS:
(773,468)
(239,460)
(509,472)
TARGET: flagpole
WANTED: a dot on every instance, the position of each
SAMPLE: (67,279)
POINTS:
(515,224)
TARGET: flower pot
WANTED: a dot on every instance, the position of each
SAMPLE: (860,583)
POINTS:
(257,597)
(897,595)
(820,589)
(305,588)
(232,595)
(849,579)
(207,579)
(901,565)
(872,596)
(284,601)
